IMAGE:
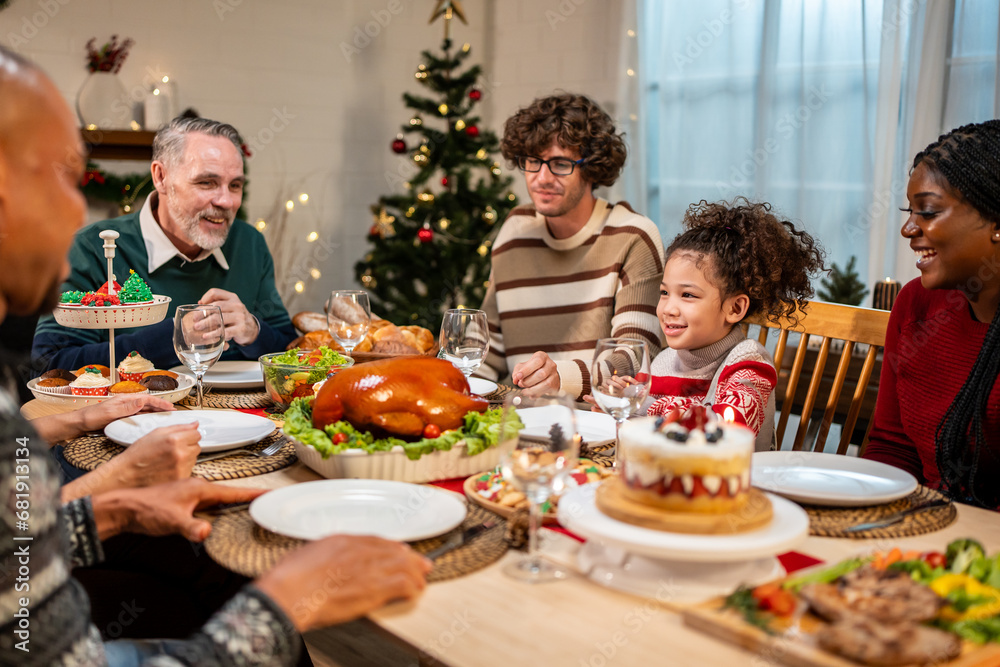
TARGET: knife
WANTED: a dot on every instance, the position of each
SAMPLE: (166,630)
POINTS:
(458,539)
(896,518)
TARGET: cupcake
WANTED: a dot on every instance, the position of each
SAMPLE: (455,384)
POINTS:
(90,383)
(103,370)
(135,290)
(158,383)
(99,300)
(169,374)
(71,298)
(127,387)
(61,373)
(133,366)
(53,385)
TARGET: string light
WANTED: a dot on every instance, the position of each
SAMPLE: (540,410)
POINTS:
(289,205)
(443,109)
(410,211)
(420,158)
(482,250)
(91,127)
(314,272)
(312,236)
(261,224)
(466,47)
(300,287)
(511,197)
(135,126)
(481,154)
(630,71)
(630,32)
(156,91)
(443,223)
(416,120)
(459,124)
(303,198)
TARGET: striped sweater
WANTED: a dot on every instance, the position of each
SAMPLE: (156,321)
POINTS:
(559,296)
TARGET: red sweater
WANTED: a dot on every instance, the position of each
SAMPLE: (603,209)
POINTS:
(930,348)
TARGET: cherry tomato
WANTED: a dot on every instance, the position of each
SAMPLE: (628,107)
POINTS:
(431,431)
(338,438)
(775,599)
(935,559)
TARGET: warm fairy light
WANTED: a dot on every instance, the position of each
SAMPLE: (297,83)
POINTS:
(415,121)
(443,109)
(312,236)
(459,124)
(300,287)
(261,224)
(410,211)
(466,47)
(630,33)
(729,415)
(630,71)
(633,116)
(135,126)
(289,205)
(482,250)
(888,279)
(303,198)
(156,91)
(511,197)
(443,223)
(314,272)
(166,79)
(91,127)
(126,208)
(481,154)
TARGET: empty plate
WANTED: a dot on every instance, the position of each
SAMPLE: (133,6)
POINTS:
(393,510)
(830,479)
(230,375)
(220,429)
(482,387)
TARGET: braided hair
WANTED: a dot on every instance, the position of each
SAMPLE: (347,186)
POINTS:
(966,158)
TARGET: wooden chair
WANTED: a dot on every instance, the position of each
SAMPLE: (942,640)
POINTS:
(831,322)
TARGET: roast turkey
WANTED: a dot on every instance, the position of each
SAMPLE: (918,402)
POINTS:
(398,396)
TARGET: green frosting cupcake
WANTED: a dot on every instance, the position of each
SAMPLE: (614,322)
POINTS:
(135,289)
(71,297)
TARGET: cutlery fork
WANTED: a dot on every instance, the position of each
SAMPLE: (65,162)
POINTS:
(270,450)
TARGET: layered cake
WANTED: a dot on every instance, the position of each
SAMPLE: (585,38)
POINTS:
(671,467)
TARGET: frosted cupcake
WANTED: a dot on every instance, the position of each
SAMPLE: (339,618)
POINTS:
(134,366)
(135,290)
(90,383)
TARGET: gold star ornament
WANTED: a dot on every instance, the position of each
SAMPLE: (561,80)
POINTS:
(448,9)
(383,223)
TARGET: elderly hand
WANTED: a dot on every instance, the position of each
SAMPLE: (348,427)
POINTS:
(96,417)
(537,376)
(241,326)
(343,577)
(165,509)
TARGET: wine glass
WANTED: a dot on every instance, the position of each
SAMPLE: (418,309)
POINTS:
(537,460)
(348,316)
(619,378)
(464,339)
(199,338)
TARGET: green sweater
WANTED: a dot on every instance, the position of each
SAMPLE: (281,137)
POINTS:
(250,276)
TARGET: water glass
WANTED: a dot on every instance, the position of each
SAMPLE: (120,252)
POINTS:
(619,377)
(199,338)
(348,316)
(464,339)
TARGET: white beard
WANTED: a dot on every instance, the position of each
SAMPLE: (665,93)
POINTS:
(191,225)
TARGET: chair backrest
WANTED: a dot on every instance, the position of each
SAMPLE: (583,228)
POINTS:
(831,322)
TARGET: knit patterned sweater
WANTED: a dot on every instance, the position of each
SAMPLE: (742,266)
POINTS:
(250,276)
(734,372)
(559,296)
(930,348)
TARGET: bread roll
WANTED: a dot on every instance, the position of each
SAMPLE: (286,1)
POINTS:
(425,339)
(308,321)
(393,347)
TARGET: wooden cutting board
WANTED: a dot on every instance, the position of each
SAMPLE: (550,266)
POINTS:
(801,650)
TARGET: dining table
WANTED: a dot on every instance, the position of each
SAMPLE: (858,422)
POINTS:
(486,618)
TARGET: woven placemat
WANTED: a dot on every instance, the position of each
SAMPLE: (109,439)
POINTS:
(239,544)
(90,451)
(832,522)
(246,400)
(499,394)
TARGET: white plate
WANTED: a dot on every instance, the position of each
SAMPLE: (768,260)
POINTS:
(393,510)
(482,387)
(229,375)
(788,528)
(184,385)
(220,429)
(594,427)
(830,479)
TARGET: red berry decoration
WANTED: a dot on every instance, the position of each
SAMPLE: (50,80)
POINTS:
(398,146)
(444,181)
(475,94)
(472,131)
(425,234)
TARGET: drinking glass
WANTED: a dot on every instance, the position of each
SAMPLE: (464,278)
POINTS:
(348,315)
(464,339)
(199,338)
(619,378)
(540,441)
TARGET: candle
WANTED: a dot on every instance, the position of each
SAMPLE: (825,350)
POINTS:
(157,110)
(884,294)
(729,415)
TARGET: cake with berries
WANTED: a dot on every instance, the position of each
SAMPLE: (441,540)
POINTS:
(686,468)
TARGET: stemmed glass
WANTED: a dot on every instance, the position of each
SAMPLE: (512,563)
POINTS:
(199,338)
(619,378)
(464,339)
(348,316)
(540,441)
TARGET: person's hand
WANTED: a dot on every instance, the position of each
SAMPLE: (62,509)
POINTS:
(96,417)
(241,326)
(343,577)
(537,376)
(594,407)
(164,509)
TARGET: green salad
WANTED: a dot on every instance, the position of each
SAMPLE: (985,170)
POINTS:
(480,431)
(284,385)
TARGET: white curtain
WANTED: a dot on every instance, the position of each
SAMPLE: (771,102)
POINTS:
(816,106)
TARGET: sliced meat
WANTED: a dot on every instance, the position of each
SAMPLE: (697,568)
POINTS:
(887,596)
(865,641)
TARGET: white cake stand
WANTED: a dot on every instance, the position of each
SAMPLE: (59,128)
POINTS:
(112,317)
(678,567)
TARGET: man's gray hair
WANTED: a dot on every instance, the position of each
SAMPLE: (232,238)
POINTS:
(168,145)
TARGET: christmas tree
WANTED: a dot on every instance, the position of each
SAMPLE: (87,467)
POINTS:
(843,286)
(431,244)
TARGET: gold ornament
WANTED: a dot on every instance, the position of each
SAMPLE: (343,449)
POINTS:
(511,197)
(486,284)
(443,223)
(383,224)
(426,196)
(420,158)
(482,250)
(481,154)
(443,109)
(448,9)
(459,124)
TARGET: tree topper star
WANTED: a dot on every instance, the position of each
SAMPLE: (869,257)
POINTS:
(446,8)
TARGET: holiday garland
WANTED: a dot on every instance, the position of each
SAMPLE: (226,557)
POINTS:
(122,190)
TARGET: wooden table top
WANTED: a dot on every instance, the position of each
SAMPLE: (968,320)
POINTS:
(486,618)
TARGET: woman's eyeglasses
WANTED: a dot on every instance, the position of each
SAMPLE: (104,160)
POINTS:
(559,166)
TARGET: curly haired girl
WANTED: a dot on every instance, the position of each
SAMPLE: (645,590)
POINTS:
(732,261)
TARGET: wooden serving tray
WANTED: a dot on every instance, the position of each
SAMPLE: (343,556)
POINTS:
(798,648)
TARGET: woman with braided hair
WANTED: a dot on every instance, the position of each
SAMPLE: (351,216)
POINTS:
(938,409)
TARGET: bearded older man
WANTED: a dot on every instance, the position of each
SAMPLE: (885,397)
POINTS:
(184,239)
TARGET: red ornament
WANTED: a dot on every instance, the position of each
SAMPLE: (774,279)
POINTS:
(444,181)
(472,131)
(373,230)
(398,146)
(475,94)
(425,234)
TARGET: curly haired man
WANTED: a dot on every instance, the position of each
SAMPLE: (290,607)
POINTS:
(573,268)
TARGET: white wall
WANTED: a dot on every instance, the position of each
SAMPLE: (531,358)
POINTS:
(253,63)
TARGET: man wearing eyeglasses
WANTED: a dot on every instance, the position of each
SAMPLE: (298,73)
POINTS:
(573,268)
